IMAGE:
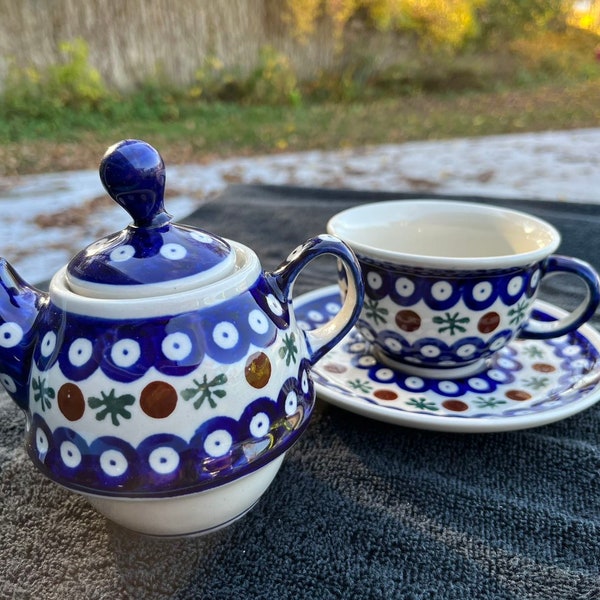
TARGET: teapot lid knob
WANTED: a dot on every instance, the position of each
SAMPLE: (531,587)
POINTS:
(152,256)
(133,173)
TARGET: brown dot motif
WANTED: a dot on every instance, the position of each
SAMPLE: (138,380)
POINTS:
(488,322)
(543,368)
(258,370)
(387,395)
(158,399)
(408,320)
(519,395)
(71,402)
(455,405)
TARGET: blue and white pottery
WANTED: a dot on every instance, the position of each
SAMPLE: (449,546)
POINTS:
(163,375)
(527,384)
(448,284)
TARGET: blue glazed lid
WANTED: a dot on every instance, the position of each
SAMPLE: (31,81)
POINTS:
(152,256)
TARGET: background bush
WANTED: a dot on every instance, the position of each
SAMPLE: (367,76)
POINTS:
(442,46)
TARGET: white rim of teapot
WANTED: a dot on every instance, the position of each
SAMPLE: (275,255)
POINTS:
(181,299)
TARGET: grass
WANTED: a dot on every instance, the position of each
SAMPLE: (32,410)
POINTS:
(219,130)
(550,83)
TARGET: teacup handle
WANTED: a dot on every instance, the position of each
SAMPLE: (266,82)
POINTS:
(319,341)
(539,330)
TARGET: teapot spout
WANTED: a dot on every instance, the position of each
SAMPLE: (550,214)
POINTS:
(20,305)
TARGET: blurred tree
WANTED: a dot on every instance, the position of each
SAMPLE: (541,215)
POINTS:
(443,22)
(586,15)
(506,19)
(440,21)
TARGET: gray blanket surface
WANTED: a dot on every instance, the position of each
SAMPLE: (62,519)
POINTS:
(360,508)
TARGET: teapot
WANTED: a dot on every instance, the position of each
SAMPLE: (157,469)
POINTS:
(163,375)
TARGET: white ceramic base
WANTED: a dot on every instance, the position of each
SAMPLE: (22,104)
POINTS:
(191,514)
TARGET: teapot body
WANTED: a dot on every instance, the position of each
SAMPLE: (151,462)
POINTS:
(164,375)
(158,399)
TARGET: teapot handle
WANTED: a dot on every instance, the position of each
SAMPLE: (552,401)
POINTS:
(319,341)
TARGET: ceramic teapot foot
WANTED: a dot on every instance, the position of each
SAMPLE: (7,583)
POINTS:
(192,514)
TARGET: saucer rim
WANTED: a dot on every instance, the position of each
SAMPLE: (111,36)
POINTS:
(354,403)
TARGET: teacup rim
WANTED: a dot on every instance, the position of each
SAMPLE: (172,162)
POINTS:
(440,261)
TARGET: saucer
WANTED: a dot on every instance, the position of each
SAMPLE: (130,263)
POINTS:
(528,383)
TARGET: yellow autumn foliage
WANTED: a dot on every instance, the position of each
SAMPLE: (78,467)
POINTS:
(441,21)
(586,15)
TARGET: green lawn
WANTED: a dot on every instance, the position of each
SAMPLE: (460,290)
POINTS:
(199,132)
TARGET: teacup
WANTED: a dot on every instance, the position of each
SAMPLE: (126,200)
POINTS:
(448,284)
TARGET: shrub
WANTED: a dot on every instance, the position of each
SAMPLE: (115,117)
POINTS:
(552,54)
(215,81)
(273,81)
(439,22)
(72,83)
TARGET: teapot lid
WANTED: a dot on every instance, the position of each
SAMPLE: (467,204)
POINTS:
(152,256)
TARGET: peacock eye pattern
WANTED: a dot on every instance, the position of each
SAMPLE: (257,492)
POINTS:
(174,345)
(181,375)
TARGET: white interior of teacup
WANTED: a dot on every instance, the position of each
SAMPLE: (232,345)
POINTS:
(445,233)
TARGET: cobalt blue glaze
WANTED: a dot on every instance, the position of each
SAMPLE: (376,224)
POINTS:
(151,249)
(135,472)
(495,300)
(251,324)
(163,361)
(140,256)
(563,264)
(133,173)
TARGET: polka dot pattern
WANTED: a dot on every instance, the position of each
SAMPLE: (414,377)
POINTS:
(512,379)
(143,255)
(258,370)
(8,382)
(113,463)
(433,351)
(11,334)
(218,443)
(125,351)
(122,253)
(164,462)
(177,346)
(158,399)
(173,251)
(71,402)
(432,317)
(48,344)
(70,454)
(527,377)
(409,286)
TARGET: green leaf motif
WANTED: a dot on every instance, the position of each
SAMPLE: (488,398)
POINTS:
(422,404)
(360,385)
(490,402)
(113,405)
(533,352)
(289,350)
(205,392)
(451,323)
(374,312)
(537,383)
(518,313)
(42,394)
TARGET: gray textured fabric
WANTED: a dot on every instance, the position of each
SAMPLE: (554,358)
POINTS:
(360,509)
